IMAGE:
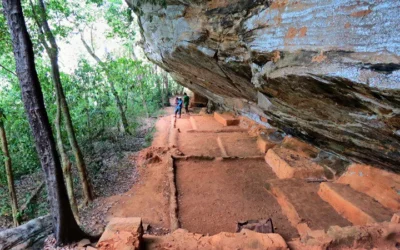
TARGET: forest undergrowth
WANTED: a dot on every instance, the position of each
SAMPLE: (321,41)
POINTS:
(111,165)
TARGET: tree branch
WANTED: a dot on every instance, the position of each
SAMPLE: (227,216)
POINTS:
(90,50)
(46,27)
(42,35)
(8,70)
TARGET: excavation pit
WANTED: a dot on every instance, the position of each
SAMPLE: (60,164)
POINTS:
(240,144)
(214,195)
(199,144)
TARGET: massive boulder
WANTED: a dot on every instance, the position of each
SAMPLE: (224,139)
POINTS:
(325,71)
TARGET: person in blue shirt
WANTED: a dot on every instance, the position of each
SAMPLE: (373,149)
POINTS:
(178,108)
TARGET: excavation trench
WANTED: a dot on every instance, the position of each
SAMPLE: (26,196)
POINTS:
(220,179)
(224,174)
(213,175)
(214,195)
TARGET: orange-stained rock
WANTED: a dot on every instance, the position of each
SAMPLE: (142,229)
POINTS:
(226,119)
(358,208)
(303,207)
(301,147)
(287,163)
(264,144)
(303,229)
(396,218)
(246,239)
(377,183)
(198,100)
(374,236)
(122,234)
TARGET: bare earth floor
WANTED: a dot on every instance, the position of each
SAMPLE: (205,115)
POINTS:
(215,195)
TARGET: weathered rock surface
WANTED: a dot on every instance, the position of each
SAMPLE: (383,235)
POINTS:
(246,239)
(325,71)
(122,234)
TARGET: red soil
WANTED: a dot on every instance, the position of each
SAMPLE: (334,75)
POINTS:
(215,195)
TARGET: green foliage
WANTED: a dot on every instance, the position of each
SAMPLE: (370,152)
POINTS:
(149,136)
(87,87)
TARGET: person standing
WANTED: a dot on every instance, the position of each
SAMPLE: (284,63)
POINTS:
(178,108)
(186,102)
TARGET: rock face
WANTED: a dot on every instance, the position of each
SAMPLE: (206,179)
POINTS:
(325,71)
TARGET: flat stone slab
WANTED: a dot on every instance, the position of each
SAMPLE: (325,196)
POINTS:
(287,163)
(122,234)
(358,208)
(377,183)
(302,205)
(226,119)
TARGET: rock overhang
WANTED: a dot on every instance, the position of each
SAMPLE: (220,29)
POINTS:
(326,72)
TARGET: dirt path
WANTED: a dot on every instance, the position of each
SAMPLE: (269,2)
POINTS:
(149,197)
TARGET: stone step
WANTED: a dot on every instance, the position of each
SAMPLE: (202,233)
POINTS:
(288,163)
(357,207)
(226,119)
(268,139)
(122,233)
(381,185)
(301,147)
(264,144)
(303,207)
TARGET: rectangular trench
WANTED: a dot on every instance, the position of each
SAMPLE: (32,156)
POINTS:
(213,195)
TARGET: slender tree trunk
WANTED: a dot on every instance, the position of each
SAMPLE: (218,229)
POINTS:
(162,96)
(120,108)
(66,230)
(9,173)
(88,123)
(80,163)
(143,98)
(165,81)
(66,163)
(52,51)
(112,86)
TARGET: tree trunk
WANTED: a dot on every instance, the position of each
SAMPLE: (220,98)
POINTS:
(113,89)
(120,108)
(88,117)
(27,235)
(66,230)
(66,163)
(52,51)
(165,81)
(80,163)
(9,173)
(143,99)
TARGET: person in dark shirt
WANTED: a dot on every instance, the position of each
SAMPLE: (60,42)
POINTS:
(186,102)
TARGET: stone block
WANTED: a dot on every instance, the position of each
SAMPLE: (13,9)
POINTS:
(226,119)
(264,144)
(289,164)
(381,185)
(356,207)
(122,234)
(396,218)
